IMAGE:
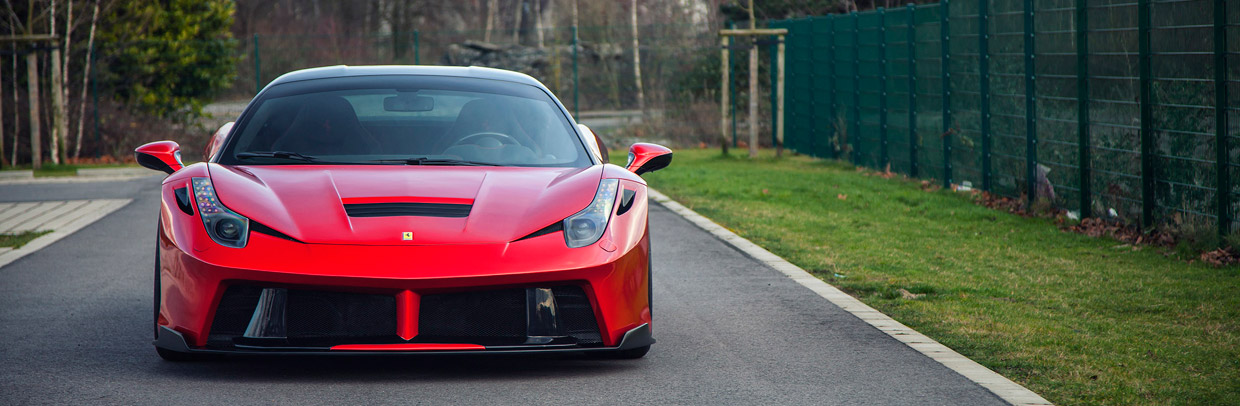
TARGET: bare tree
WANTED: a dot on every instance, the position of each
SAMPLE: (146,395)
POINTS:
(90,49)
(17,117)
(54,89)
(637,58)
(32,87)
(486,34)
(516,26)
(538,21)
(4,161)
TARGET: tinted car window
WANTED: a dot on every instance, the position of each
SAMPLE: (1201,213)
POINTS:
(391,119)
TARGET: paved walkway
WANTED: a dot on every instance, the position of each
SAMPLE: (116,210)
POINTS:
(60,217)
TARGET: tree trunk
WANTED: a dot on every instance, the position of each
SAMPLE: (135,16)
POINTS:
(4,160)
(32,87)
(538,21)
(59,123)
(490,24)
(516,28)
(17,115)
(68,53)
(90,51)
(637,59)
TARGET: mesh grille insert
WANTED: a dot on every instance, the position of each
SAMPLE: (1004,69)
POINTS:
(483,314)
(407,209)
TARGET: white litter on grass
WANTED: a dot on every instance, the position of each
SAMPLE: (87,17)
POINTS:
(1072,215)
(1112,212)
(965,186)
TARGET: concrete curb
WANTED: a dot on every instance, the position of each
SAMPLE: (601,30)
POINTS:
(114,172)
(16,175)
(1007,390)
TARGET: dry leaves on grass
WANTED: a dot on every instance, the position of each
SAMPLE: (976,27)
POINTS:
(1220,257)
(1096,227)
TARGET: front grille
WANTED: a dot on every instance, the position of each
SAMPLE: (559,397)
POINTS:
(312,318)
(317,314)
(407,209)
(484,314)
(233,314)
(576,316)
(499,317)
(317,319)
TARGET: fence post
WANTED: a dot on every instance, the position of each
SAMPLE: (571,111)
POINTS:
(1222,166)
(724,83)
(1082,105)
(774,78)
(1031,113)
(945,45)
(835,84)
(258,68)
(1147,114)
(983,74)
(856,105)
(732,107)
(912,89)
(882,94)
(576,83)
(417,48)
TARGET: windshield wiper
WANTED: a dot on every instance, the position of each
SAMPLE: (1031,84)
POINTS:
(278,154)
(436,161)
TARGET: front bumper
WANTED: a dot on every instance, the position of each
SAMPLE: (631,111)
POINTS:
(193,285)
(638,337)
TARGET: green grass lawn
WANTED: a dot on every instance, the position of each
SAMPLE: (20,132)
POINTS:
(17,240)
(49,169)
(1078,320)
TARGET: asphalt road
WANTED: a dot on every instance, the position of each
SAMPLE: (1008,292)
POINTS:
(75,328)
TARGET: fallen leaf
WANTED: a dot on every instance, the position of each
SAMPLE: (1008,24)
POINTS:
(841,196)
(909,295)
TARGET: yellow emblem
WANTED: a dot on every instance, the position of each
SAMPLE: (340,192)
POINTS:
(407,236)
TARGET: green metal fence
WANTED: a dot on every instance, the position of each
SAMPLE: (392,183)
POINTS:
(1118,106)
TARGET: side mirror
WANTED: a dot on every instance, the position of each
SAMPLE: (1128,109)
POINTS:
(645,157)
(160,155)
(595,143)
(216,141)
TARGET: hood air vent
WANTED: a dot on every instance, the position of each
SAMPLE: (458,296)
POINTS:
(407,209)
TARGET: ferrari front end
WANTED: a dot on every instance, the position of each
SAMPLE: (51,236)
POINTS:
(403,210)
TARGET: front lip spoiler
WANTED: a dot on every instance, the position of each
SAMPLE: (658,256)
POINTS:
(639,336)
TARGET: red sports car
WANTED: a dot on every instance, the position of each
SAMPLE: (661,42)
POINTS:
(403,209)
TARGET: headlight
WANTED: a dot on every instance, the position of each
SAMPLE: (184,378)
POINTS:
(224,226)
(587,226)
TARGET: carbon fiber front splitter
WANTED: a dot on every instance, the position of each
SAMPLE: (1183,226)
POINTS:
(638,337)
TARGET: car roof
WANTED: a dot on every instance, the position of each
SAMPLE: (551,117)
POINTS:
(379,70)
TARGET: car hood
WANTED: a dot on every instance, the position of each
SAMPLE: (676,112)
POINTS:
(308,202)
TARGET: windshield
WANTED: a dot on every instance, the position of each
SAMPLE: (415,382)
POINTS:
(415,120)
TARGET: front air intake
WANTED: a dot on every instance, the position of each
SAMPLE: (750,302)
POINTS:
(408,209)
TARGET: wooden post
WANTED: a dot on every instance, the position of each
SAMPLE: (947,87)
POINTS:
(32,87)
(753,100)
(779,101)
(723,95)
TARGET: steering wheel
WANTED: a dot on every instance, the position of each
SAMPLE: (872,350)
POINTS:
(502,138)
